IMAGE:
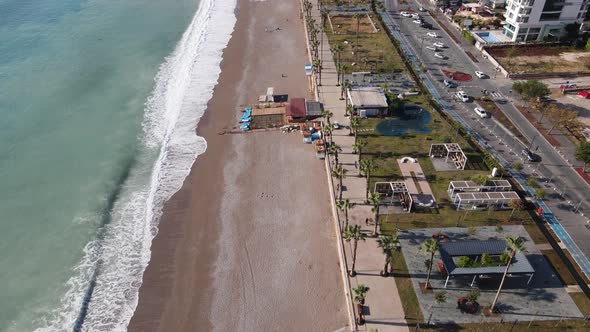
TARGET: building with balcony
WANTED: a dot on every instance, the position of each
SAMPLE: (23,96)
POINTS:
(529,20)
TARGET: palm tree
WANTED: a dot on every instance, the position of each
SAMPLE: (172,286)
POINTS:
(515,245)
(343,88)
(344,205)
(317,67)
(328,130)
(334,149)
(355,123)
(353,233)
(439,298)
(515,204)
(357,147)
(375,200)
(429,246)
(327,115)
(339,173)
(360,293)
(338,49)
(387,243)
(366,166)
(358,17)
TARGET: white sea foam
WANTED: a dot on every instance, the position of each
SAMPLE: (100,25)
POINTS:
(183,87)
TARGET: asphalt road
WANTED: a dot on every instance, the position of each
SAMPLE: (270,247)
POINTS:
(568,195)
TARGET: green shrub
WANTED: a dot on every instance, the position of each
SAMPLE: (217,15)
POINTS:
(464,261)
(486,259)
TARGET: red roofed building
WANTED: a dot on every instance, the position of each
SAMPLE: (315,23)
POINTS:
(296,110)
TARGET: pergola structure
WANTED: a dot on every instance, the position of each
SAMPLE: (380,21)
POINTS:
(452,152)
(520,265)
(484,200)
(456,187)
(395,193)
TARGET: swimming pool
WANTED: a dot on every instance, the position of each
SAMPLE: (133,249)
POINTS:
(414,118)
(488,37)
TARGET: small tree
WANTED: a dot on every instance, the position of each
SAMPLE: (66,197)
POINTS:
(530,90)
(517,165)
(486,259)
(357,17)
(515,204)
(480,179)
(532,182)
(344,205)
(353,233)
(389,244)
(473,296)
(354,125)
(327,115)
(429,246)
(540,193)
(366,167)
(343,89)
(583,153)
(375,200)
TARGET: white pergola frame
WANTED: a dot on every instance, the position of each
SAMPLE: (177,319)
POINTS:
(392,190)
(456,187)
(449,151)
(499,198)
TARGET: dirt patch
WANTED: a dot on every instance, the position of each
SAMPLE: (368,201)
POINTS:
(542,59)
(583,174)
(347,25)
(497,113)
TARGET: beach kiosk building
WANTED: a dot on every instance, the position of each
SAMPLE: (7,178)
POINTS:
(296,110)
(368,101)
(451,251)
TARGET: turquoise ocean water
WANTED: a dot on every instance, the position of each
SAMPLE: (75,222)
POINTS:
(99,100)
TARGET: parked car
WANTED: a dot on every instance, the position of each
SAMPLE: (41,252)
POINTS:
(480,74)
(440,55)
(427,25)
(336,125)
(544,99)
(432,34)
(481,112)
(439,45)
(416,16)
(462,96)
(568,85)
(422,9)
(417,21)
(406,14)
(584,93)
(449,84)
(530,156)
(432,48)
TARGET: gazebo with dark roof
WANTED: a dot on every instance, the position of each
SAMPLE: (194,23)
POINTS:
(520,264)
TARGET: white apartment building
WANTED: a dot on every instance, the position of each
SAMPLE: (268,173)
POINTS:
(536,19)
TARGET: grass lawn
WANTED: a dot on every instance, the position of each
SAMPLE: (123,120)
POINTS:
(375,52)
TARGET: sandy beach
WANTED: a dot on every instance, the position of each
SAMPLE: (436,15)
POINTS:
(248,243)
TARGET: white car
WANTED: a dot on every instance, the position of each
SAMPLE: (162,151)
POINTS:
(406,14)
(416,16)
(417,21)
(439,55)
(432,48)
(462,96)
(481,112)
(432,34)
(480,74)
(422,9)
(439,45)
(336,125)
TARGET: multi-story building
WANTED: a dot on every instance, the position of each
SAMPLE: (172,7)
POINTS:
(538,19)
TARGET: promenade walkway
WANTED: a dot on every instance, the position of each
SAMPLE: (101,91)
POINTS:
(383,309)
